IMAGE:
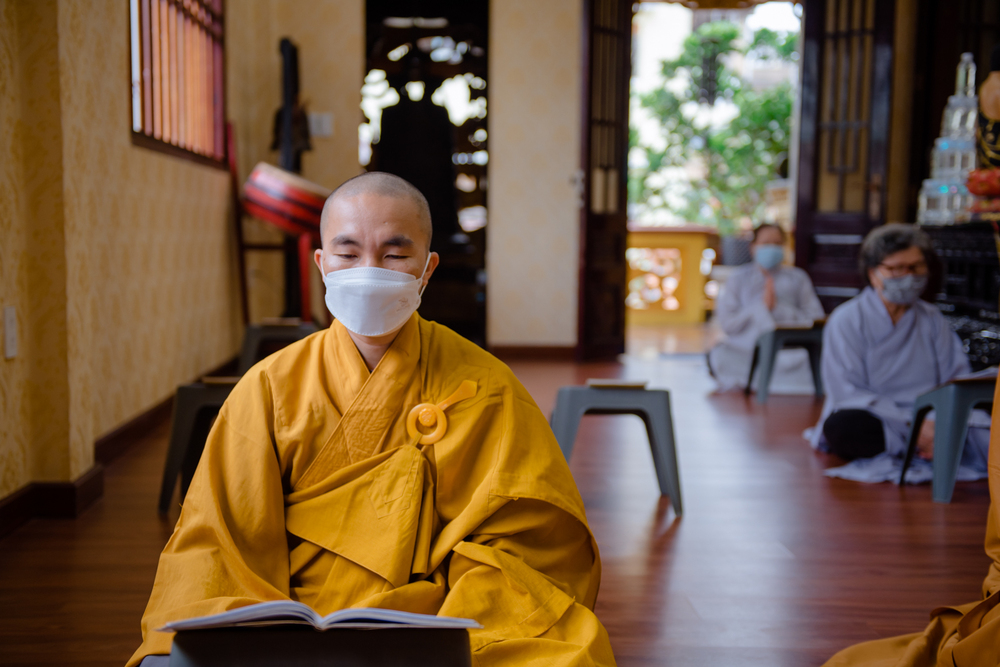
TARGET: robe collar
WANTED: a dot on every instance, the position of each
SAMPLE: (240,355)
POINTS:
(352,372)
(877,318)
(369,403)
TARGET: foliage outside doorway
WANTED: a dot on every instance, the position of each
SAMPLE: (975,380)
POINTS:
(719,140)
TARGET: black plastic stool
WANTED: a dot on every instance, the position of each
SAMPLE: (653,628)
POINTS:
(258,336)
(195,406)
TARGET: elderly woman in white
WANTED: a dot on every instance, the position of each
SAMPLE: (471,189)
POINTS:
(882,349)
(756,298)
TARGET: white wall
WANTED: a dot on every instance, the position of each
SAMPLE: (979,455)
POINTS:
(534,139)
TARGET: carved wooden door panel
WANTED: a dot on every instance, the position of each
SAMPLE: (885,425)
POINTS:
(844,141)
(603,217)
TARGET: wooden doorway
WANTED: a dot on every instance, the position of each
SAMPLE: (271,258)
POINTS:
(416,50)
(607,66)
(844,141)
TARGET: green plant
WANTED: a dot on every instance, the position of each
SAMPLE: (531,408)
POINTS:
(704,171)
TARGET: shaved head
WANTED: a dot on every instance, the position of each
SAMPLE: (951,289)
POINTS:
(380,184)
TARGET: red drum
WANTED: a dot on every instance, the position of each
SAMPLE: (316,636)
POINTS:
(284,199)
(295,206)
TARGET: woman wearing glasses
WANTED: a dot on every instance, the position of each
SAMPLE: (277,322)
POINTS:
(883,349)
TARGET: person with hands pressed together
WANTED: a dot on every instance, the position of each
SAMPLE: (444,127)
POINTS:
(386,462)
(756,298)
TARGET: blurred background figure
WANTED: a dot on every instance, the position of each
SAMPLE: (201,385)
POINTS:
(756,298)
(883,349)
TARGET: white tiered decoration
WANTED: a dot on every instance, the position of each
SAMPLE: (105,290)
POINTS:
(944,199)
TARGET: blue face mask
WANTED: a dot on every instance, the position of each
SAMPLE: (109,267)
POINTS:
(768,255)
(905,290)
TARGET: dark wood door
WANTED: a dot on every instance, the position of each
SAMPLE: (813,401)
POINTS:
(603,218)
(844,141)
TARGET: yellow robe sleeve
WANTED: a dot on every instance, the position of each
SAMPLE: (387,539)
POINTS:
(524,576)
(530,571)
(229,548)
(992,582)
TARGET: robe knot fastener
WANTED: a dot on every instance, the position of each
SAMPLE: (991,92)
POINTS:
(432,416)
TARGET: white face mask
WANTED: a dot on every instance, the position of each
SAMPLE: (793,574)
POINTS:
(371,301)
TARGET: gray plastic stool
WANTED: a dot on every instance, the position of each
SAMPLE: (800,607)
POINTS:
(258,335)
(195,406)
(953,404)
(765,354)
(651,405)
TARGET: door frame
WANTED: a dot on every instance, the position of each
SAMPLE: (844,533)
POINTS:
(586,348)
(834,280)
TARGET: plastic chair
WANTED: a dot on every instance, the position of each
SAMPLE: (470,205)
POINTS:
(765,354)
(652,406)
(953,404)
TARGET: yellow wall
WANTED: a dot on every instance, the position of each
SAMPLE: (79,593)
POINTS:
(331,40)
(118,259)
(14,463)
(330,37)
(34,418)
(534,130)
(150,294)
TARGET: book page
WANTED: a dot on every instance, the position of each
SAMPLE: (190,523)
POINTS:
(275,610)
(279,612)
(382,617)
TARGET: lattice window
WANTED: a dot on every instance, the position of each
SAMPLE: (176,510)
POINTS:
(178,100)
(846,105)
(610,85)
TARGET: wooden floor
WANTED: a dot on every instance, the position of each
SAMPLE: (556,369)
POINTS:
(772,564)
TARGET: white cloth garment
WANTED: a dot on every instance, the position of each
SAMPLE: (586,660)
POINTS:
(886,468)
(871,364)
(741,317)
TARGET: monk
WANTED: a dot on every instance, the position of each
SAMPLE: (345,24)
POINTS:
(386,462)
(962,636)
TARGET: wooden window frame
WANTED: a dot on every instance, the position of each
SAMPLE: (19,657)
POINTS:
(166,128)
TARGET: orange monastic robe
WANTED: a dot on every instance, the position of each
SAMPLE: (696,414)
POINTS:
(963,636)
(311,488)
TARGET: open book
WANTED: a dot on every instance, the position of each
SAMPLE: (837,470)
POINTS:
(279,612)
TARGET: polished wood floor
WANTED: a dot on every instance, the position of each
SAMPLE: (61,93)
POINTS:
(771,565)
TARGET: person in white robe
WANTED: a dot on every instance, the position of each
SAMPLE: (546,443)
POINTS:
(755,299)
(883,349)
